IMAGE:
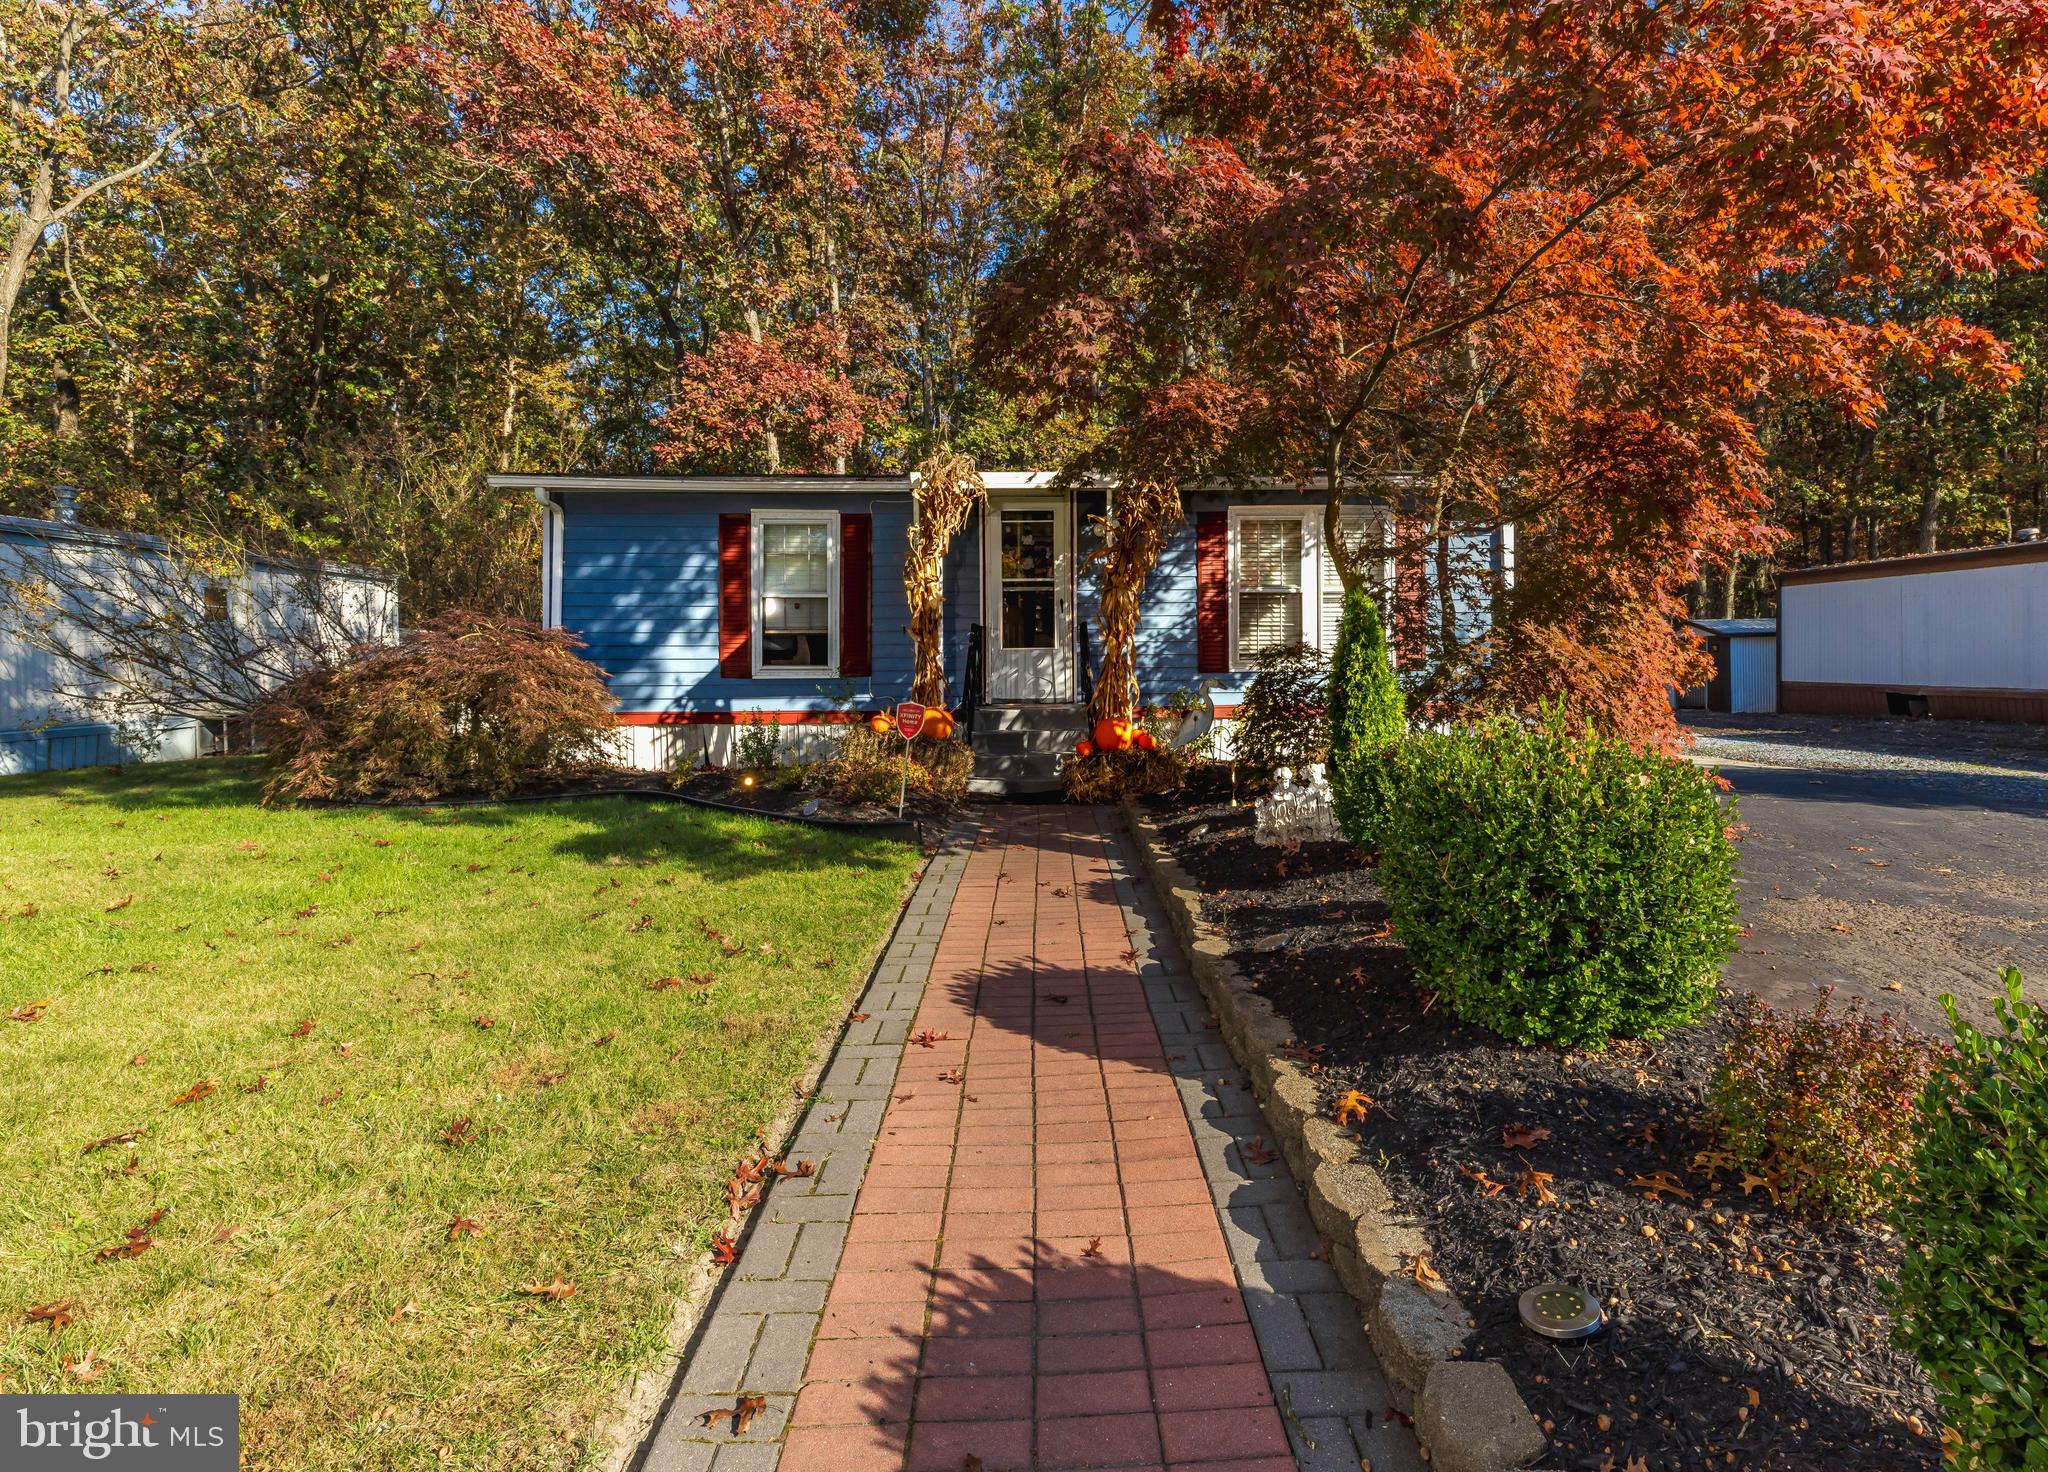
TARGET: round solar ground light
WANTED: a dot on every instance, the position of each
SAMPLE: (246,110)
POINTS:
(1562,1311)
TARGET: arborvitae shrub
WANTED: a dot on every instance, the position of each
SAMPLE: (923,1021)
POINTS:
(1367,718)
(1559,888)
(465,704)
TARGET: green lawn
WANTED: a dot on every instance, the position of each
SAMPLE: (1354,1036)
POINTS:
(331,973)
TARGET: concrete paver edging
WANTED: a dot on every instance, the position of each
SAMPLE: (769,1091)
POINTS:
(1468,1413)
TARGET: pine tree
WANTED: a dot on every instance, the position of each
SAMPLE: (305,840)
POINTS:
(1367,717)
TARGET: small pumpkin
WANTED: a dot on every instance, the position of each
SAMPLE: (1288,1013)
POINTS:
(1113,735)
(938,724)
(1084,747)
(1146,741)
(879,723)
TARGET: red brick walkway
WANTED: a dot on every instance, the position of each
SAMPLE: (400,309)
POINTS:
(1035,1275)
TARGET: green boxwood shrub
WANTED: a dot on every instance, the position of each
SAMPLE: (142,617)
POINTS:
(1972,1205)
(1559,888)
(1367,718)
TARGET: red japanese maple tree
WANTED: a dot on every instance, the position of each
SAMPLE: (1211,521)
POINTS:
(1511,262)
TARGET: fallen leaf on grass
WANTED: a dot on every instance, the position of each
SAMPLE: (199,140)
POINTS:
(556,1290)
(459,1132)
(724,1251)
(56,1314)
(225,1234)
(664,983)
(1352,1106)
(462,1226)
(27,1012)
(404,1311)
(305,1027)
(121,904)
(262,1082)
(85,1370)
(606,1040)
(197,1092)
(1523,1136)
(484,1024)
(549,1080)
(125,1137)
(138,1060)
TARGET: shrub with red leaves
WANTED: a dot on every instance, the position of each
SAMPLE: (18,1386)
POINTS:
(466,704)
(1822,1104)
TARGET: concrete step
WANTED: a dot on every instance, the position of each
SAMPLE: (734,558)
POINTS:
(1022,742)
(1052,718)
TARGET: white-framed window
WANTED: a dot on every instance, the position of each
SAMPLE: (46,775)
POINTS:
(1273,565)
(796,593)
(1366,533)
(1284,585)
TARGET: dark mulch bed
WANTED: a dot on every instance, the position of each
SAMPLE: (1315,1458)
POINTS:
(1742,1335)
(779,798)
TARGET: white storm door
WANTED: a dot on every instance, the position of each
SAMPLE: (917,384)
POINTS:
(1030,613)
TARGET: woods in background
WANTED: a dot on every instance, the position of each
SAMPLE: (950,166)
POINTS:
(1713,287)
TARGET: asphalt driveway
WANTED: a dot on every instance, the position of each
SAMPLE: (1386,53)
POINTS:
(1896,860)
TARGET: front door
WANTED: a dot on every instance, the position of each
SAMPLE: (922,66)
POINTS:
(1030,613)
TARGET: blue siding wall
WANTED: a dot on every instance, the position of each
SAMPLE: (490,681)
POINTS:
(640,586)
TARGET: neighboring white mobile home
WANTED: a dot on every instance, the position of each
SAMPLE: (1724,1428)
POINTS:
(1956,634)
(116,647)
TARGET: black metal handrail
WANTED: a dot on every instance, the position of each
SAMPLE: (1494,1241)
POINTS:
(972,688)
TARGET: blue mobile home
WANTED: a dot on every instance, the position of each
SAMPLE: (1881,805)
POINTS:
(715,601)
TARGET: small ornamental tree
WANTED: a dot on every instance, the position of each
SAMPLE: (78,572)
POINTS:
(466,704)
(1972,1205)
(1367,717)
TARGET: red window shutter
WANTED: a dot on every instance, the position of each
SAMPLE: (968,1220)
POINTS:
(1212,592)
(736,596)
(856,595)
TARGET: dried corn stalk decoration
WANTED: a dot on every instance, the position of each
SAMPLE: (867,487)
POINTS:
(1142,513)
(948,490)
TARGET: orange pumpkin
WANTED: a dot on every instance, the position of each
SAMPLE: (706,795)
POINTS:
(938,724)
(1113,735)
(1146,741)
(879,723)
(1084,747)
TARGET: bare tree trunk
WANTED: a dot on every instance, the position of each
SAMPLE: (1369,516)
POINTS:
(1728,591)
(770,446)
(1930,516)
